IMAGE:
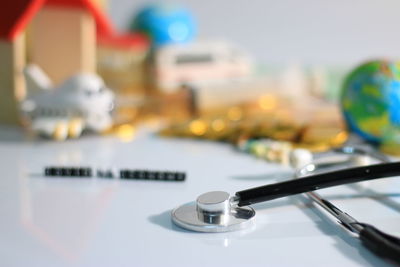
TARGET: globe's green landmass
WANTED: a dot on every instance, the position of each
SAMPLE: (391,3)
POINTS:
(371,101)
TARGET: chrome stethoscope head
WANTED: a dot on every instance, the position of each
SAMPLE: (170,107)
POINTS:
(213,212)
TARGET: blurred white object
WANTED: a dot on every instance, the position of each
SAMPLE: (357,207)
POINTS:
(294,81)
(81,102)
(300,157)
(199,62)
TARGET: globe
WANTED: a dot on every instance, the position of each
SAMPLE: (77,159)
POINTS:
(370,101)
(165,23)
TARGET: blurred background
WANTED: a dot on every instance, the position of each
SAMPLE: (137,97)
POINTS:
(286,32)
(305,72)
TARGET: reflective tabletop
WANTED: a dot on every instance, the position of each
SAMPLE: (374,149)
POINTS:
(110,222)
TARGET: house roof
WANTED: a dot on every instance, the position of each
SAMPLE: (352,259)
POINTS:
(18,13)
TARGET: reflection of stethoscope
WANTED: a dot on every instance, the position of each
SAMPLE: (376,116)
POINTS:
(218,212)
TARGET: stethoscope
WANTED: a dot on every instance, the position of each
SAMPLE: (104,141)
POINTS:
(217,211)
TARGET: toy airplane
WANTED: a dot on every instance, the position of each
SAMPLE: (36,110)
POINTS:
(81,102)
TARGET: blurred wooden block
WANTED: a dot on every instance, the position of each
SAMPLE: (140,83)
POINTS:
(66,33)
(12,84)
(122,69)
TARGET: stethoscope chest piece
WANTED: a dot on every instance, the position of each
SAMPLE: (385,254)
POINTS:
(213,212)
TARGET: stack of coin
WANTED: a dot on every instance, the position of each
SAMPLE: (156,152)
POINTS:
(271,134)
(316,137)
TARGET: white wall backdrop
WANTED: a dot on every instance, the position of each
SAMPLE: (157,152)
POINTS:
(287,31)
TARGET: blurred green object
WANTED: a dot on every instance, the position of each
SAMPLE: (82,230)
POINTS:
(165,23)
(370,101)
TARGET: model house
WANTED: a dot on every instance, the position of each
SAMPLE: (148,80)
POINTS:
(62,37)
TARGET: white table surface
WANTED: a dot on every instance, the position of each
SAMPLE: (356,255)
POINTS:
(99,222)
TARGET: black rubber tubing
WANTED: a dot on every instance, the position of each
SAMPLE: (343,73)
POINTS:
(317,181)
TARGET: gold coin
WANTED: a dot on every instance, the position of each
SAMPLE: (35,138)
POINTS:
(268,102)
(218,125)
(327,135)
(235,113)
(198,127)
